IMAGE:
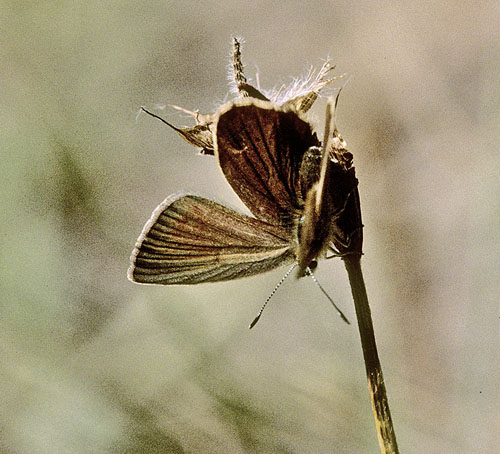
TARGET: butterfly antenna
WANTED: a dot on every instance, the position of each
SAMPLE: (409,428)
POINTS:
(342,316)
(256,319)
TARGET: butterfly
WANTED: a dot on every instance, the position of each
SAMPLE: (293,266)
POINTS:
(296,190)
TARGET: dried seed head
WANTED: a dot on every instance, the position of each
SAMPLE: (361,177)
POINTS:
(299,96)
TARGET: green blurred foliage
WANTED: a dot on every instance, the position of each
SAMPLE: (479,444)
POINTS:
(90,362)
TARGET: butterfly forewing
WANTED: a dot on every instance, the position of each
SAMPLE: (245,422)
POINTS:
(260,149)
(190,239)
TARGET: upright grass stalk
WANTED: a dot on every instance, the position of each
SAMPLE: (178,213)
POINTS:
(347,229)
(376,385)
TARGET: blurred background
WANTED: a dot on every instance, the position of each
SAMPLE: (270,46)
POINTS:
(91,363)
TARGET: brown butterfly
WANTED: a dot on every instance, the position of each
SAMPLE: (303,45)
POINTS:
(296,191)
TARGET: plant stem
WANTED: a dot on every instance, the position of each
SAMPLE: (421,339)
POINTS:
(376,385)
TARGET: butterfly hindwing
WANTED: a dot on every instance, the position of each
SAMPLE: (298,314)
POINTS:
(190,239)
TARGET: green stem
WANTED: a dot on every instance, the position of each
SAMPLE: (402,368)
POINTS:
(376,385)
